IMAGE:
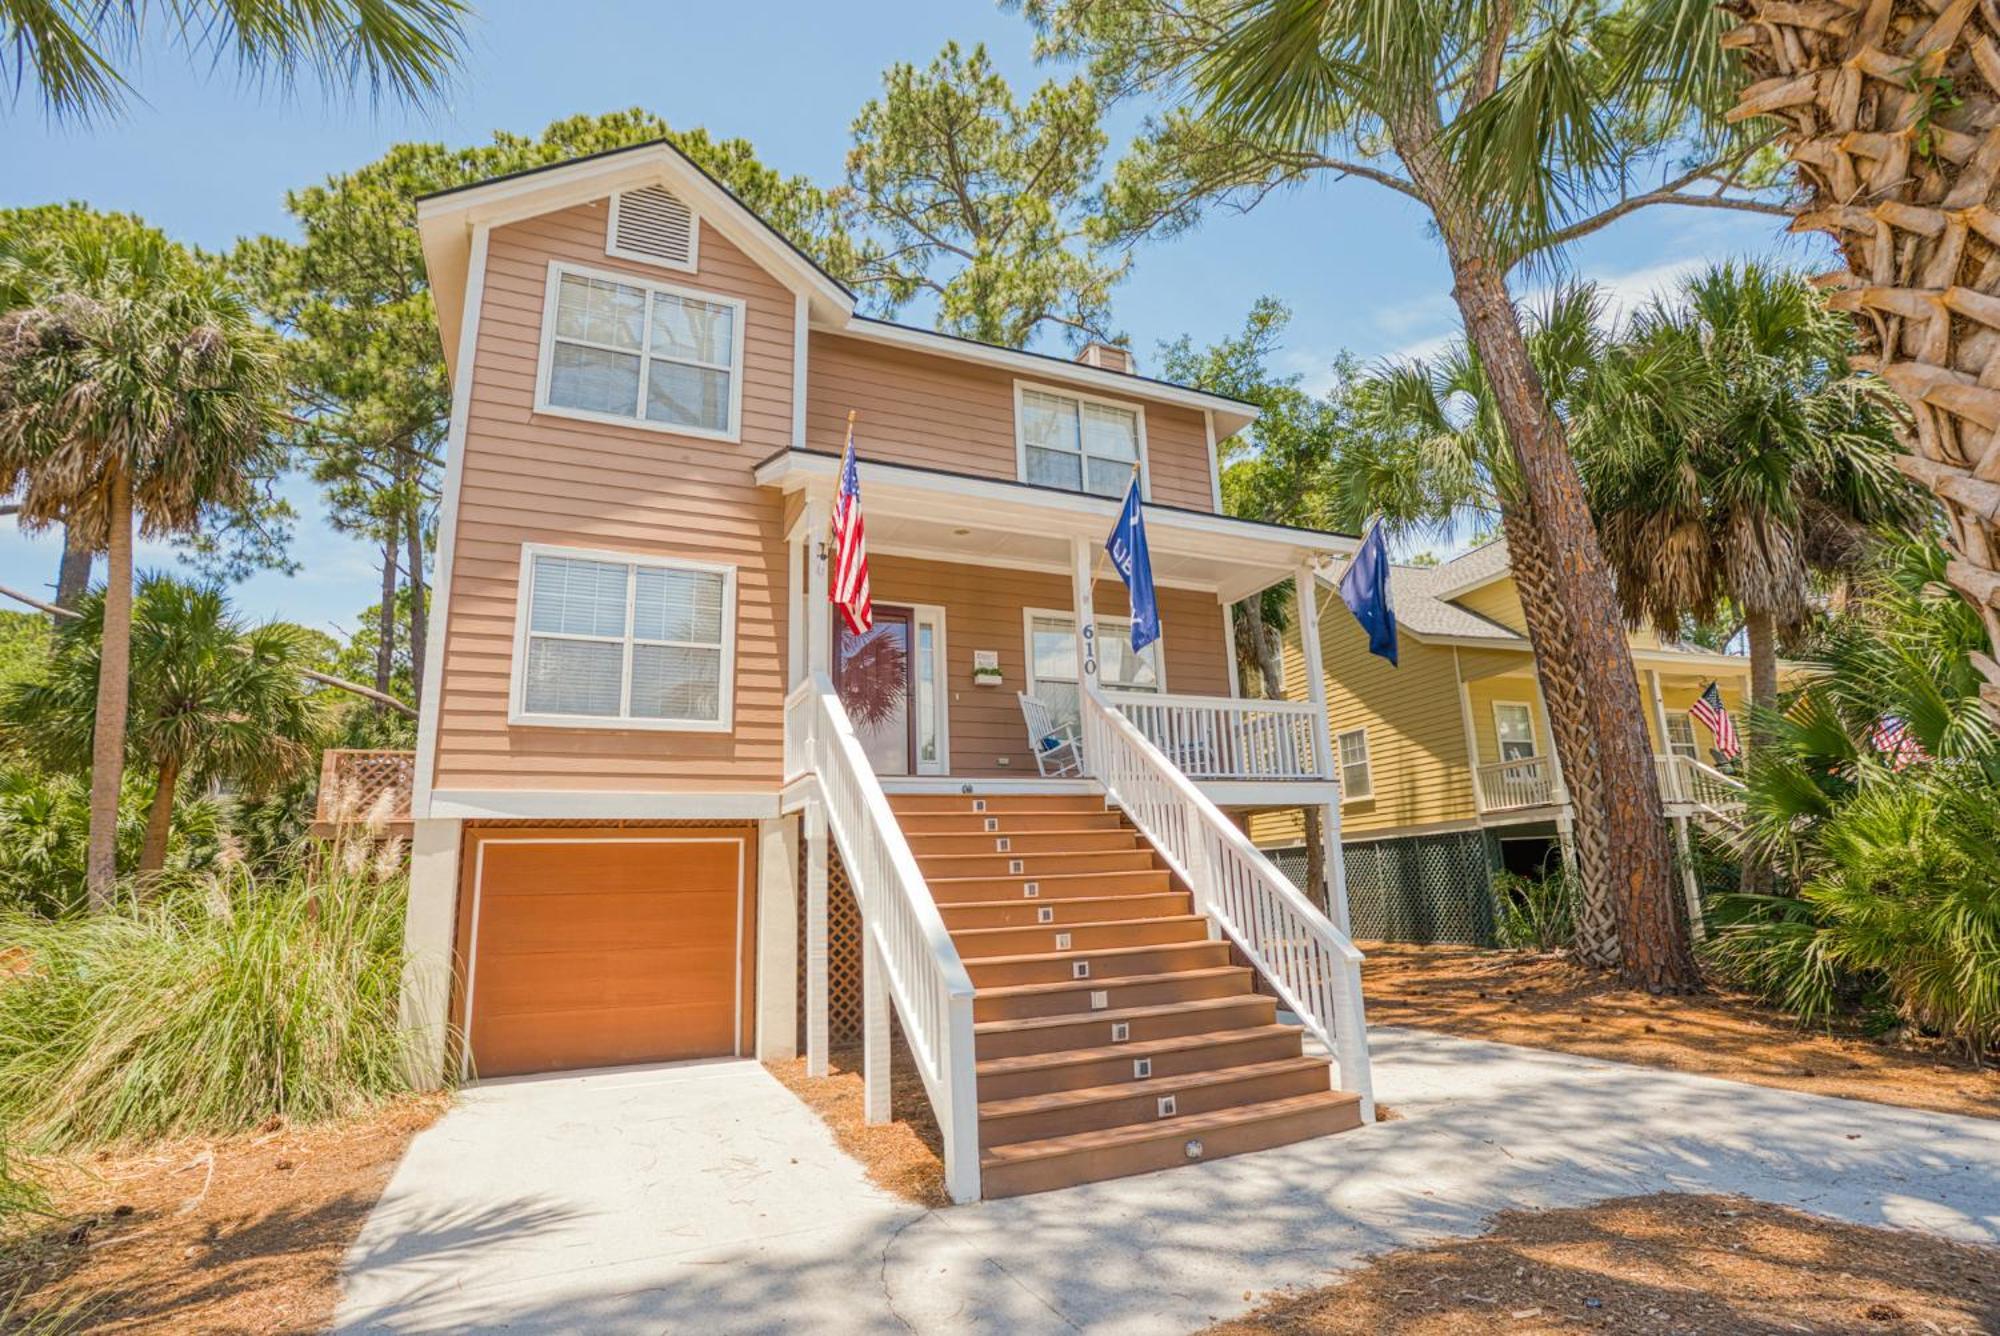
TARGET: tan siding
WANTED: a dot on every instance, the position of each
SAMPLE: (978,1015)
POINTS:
(1520,690)
(942,413)
(984,610)
(540,478)
(1678,696)
(1499,601)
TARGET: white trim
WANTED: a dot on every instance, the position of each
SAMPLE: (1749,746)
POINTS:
(518,714)
(1083,458)
(429,695)
(1500,756)
(940,686)
(1214,459)
(801,337)
(1229,649)
(1158,648)
(693,264)
(478,882)
(1340,765)
(544,357)
(600,805)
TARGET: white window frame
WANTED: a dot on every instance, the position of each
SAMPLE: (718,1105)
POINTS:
(1021,387)
(517,684)
(1367,762)
(1681,720)
(1499,745)
(639,257)
(1158,648)
(545,360)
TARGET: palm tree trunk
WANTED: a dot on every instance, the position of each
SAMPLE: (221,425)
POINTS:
(160,817)
(385,613)
(414,541)
(1761,629)
(1567,693)
(73,576)
(114,695)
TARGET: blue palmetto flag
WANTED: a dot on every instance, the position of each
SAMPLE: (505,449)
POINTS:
(1127,546)
(1365,591)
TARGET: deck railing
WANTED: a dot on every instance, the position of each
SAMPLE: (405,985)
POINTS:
(1311,965)
(1506,785)
(1686,780)
(903,932)
(365,788)
(1222,737)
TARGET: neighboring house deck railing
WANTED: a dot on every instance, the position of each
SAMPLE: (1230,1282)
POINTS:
(903,934)
(1684,780)
(369,788)
(1221,737)
(1311,965)
(1504,786)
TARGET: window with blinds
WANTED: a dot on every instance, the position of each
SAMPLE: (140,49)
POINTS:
(632,642)
(1079,445)
(628,351)
(1357,776)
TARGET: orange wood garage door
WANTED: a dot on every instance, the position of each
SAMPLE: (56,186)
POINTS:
(589,949)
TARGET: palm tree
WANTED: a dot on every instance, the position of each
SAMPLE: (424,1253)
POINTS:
(1886,114)
(212,701)
(72,53)
(134,391)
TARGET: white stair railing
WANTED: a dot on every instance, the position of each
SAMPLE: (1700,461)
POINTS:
(1310,963)
(927,982)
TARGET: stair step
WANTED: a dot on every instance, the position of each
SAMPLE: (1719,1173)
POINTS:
(1077,1068)
(1051,1034)
(900,803)
(1079,909)
(1052,886)
(1109,962)
(1074,996)
(977,942)
(1066,1112)
(1007,823)
(1115,1152)
(1035,865)
(1032,842)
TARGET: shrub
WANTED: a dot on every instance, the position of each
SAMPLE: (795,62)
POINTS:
(1534,914)
(214,1003)
(45,837)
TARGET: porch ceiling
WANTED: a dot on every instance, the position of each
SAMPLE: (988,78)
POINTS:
(952,517)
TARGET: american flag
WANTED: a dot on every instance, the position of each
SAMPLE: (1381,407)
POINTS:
(1891,737)
(1709,710)
(848,590)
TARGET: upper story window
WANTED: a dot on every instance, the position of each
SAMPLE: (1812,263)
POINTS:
(626,642)
(1357,776)
(1514,726)
(618,349)
(1076,442)
(1680,736)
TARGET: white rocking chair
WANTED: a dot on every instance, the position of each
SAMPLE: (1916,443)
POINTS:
(1057,747)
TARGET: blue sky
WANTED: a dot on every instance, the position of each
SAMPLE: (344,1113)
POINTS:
(208,158)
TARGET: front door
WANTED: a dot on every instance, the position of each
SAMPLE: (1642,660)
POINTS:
(874,673)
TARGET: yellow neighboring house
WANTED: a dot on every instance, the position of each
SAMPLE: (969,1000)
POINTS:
(1447,767)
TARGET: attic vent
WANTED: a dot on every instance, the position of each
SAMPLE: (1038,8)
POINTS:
(651,225)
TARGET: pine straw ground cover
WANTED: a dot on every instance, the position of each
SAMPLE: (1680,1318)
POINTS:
(1543,1001)
(904,1156)
(1662,1263)
(240,1234)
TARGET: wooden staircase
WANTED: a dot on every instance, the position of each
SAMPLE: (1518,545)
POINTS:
(1112,1036)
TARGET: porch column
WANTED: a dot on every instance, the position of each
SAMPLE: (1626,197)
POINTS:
(1690,883)
(874,1032)
(1560,790)
(816,853)
(1083,554)
(818,618)
(428,919)
(1305,583)
(777,939)
(1664,747)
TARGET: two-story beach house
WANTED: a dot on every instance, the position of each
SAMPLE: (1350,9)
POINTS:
(1447,767)
(665,806)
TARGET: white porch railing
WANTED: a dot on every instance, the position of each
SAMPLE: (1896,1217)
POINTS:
(1505,785)
(899,921)
(1686,780)
(1314,968)
(1222,737)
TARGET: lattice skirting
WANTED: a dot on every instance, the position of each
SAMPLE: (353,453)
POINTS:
(843,953)
(1420,888)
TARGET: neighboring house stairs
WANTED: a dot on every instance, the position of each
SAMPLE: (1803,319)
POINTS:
(1113,1034)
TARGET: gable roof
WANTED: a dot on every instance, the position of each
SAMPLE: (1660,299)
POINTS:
(1427,615)
(447,219)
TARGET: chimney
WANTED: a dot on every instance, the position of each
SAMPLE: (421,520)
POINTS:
(1108,357)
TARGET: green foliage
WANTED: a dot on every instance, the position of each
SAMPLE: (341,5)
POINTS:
(24,646)
(987,204)
(1534,913)
(45,834)
(215,1003)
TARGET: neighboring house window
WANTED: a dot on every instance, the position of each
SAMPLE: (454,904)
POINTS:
(1357,777)
(628,351)
(617,641)
(1514,725)
(1078,444)
(1680,737)
(1052,661)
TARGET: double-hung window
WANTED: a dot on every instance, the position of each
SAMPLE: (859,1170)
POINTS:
(1052,661)
(1080,445)
(1357,777)
(620,349)
(624,642)
(1514,726)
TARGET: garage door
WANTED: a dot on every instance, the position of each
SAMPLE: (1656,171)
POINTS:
(588,950)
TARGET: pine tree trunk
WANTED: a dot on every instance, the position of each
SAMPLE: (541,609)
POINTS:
(160,817)
(1566,693)
(419,630)
(1754,877)
(73,575)
(1889,114)
(114,697)
(385,613)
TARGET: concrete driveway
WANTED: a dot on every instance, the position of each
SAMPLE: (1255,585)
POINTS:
(704,1198)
